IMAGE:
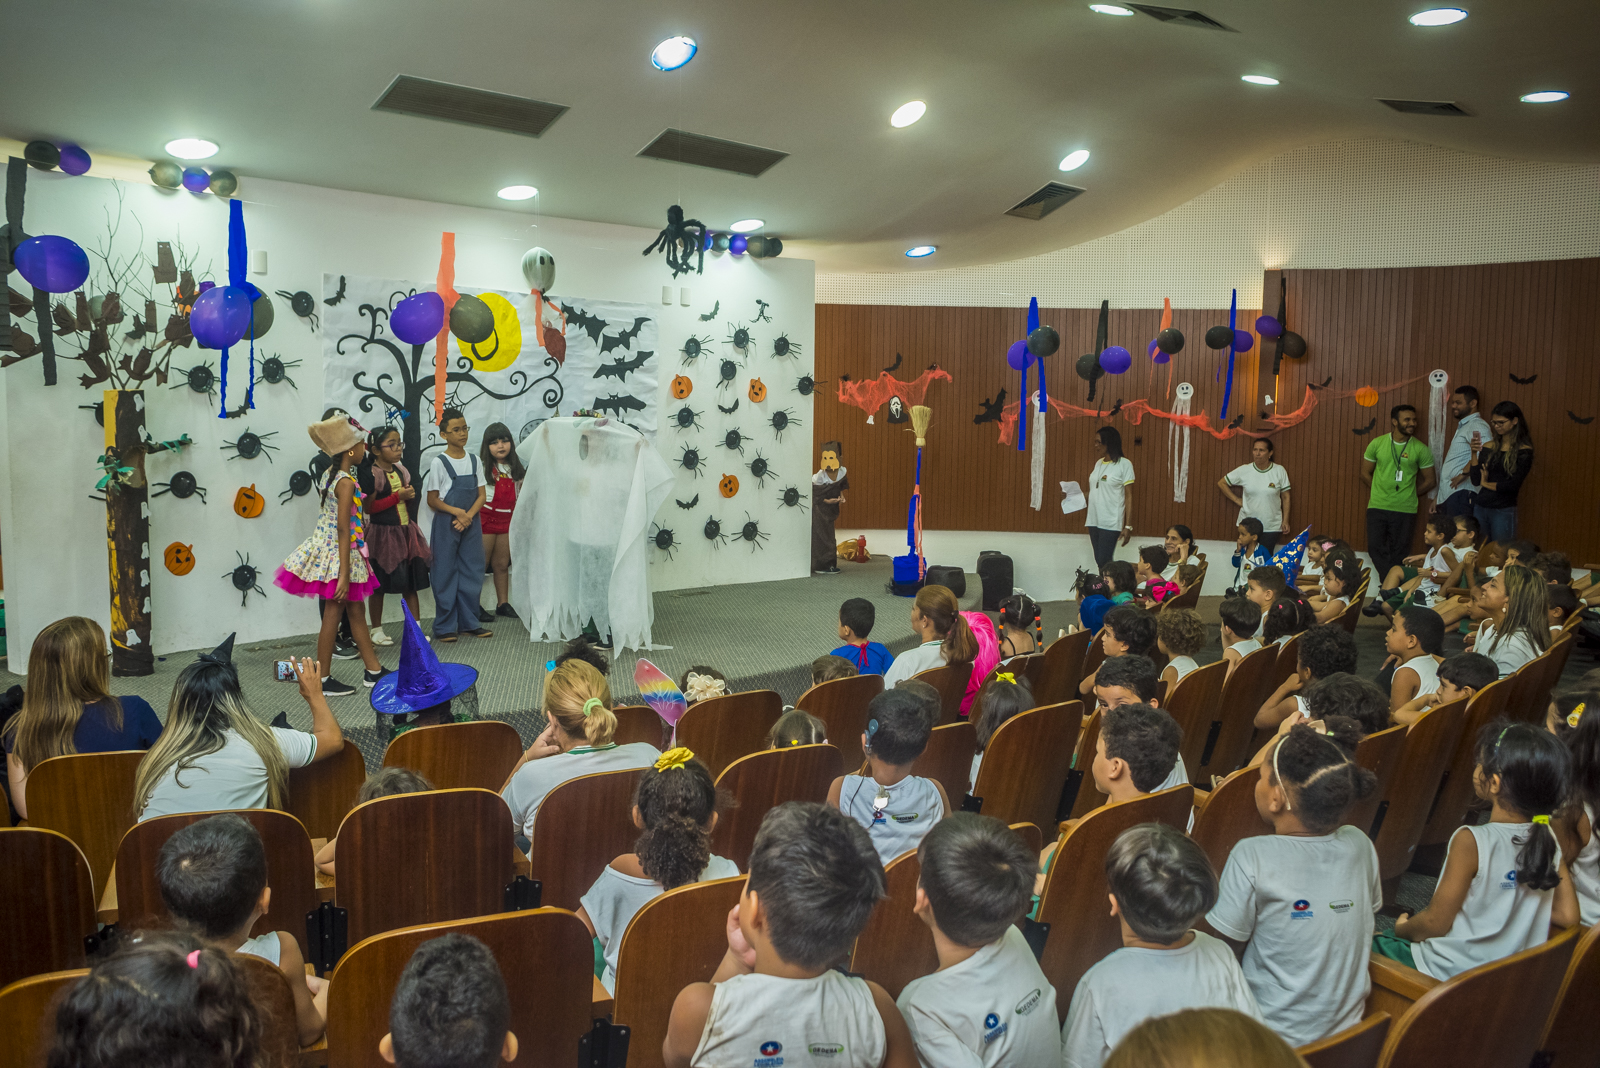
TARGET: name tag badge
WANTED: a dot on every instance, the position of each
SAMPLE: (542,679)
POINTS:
(1399,476)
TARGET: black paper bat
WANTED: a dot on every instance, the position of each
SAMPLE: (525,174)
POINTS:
(1365,429)
(1325,383)
(687,505)
(592,325)
(1581,420)
(1524,381)
(1236,422)
(337,297)
(712,314)
(893,367)
(619,370)
(618,404)
(729,411)
(991,412)
(624,339)
(1117,407)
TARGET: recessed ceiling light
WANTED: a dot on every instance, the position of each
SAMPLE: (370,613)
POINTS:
(1074,160)
(1110,9)
(921,250)
(1438,16)
(673,53)
(1548,96)
(517,192)
(192,148)
(745,226)
(906,114)
(1258,79)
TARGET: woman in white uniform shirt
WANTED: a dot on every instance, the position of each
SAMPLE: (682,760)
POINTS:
(1108,516)
(1263,492)
(1180,550)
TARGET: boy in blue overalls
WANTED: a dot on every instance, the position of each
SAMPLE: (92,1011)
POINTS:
(455,489)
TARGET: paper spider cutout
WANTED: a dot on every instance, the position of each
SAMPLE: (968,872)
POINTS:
(782,346)
(664,540)
(805,385)
(682,240)
(304,305)
(299,486)
(275,370)
(782,420)
(791,498)
(183,486)
(761,311)
(248,446)
(734,440)
(759,469)
(738,337)
(752,533)
(694,348)
(200,378)
(687,417)
(245,579)
(692,460)
(730,371)
(713,532)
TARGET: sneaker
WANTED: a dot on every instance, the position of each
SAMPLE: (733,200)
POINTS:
(380,638)
(481,632)
(346,651)
(449,636)
(371,677)
(332,687)
(505,611)
(484,615)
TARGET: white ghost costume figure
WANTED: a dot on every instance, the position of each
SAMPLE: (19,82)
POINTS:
(1178,443)
(580,532)
(1438,427)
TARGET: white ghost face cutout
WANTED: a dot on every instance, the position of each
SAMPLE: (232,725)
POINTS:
(1438,379)
(1184,391)
(897,410)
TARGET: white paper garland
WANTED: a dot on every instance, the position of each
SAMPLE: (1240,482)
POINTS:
(1037,498)
(1178,452)
(1438,437)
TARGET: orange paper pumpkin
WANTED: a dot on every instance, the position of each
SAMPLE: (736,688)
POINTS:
(247,502)
(179,558)
(681,386)
(1366,396)
(729,485)
(758,391)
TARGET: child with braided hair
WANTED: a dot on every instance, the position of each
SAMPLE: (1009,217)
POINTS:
(1303,897)
(675,809)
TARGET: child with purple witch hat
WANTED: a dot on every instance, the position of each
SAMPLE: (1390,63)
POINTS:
(418,693)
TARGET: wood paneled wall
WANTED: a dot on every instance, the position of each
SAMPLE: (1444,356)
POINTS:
(1363,327)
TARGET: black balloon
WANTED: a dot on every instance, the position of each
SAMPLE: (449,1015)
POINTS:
(42,155)
(261,315)
(1219,337)
(1294,346)
(1044,341)
(1089,367)
(471,320)
(1170,340)
(166,174)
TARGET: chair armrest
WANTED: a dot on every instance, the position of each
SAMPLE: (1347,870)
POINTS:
(603,1001)
(1395,988)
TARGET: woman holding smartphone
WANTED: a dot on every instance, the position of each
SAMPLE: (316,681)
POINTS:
(1498,470)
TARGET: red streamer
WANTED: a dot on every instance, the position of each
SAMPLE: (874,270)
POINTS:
(446,288)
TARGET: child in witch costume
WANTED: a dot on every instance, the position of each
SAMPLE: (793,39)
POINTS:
(827,494)
(419,692)
(332,562)
(455,489)
(396,549)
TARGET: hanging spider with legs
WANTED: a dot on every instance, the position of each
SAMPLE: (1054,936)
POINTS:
(791,498)
(275,369)
(805,385)
(664,540)
(200,378)
(245,579)
(752,533)
(248,446)
(687,417)
(739,337)
(183,486)
(728,372)
(713,532)
(694,348)
(734,440)
(782,346)
(760,469)
(299,486)
(304,305)
(692,460)
(682,240)
(782,420)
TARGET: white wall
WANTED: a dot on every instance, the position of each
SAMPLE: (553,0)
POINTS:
(54,544)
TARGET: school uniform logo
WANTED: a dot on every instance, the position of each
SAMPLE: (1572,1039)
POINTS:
(993,1028)
(825,1049)
(1029,1003)
(906,817)
(770,1055)
(1341,907)
(1302,910)
(1510,881)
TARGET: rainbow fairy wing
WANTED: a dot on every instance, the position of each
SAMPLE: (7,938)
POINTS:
(659,692)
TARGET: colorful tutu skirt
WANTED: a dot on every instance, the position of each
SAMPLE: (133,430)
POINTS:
(312,570)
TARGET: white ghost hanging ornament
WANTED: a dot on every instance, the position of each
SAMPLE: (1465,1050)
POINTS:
(539,269)
(1438,435)
(1178,443)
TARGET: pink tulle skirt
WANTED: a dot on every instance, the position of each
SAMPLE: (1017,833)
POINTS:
(289,582)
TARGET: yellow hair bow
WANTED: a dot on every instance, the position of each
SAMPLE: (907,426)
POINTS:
(1005,676)
(1575,715)
(1542,819)
(674,758)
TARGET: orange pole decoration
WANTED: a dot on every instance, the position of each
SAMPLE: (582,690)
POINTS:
(446,287)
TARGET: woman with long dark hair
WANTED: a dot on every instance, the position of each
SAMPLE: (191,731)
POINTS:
(1109,516)
(1499,469)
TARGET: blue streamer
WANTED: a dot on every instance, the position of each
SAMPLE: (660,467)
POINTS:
(1043,399)
(1233,316)
(1022,410)
(239,277)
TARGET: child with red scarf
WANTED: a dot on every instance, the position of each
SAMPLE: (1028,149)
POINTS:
(856,617)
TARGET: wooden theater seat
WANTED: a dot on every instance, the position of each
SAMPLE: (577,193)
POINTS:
(841,704)
(580,827)
(49,903)
(639,723)
(1194,704)
(1356,1046)
(951,682)
(89,798)
(1226,744)
(28,1016)
(458,756)
(1062,670)
(321,795)
(1026,763)
(1569,1038)
(1455,792)
(895,946)
(1286,666)
(1088,797)
(274,1004)
(761,782)
(1380,754)
(1229,815)
(1428,748)
(722,729)
(947,758)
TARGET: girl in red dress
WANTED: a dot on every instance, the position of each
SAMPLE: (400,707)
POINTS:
(504,472)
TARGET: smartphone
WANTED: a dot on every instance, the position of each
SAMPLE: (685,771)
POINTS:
(285,670)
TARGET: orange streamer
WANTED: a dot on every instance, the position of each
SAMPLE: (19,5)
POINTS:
(446,288)
(874,393)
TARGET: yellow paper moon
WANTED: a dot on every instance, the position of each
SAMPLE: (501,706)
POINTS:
(504,345)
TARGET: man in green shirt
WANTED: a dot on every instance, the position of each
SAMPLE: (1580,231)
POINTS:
(1399,469)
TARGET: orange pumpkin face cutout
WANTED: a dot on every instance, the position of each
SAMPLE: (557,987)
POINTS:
(758,391)
(247,502)
(681,386)
(1366,396)
(179,558)
(728,486)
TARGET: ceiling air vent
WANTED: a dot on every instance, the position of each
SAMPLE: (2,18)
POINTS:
(1050,196)
(1179,16)
(679,146)
(471,107)
(1425,107)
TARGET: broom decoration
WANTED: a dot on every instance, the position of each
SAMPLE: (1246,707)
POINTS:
(921,415)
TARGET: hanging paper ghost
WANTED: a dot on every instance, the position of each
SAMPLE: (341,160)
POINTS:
(1178,450)
(1438,435)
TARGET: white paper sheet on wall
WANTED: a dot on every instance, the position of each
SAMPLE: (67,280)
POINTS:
(1074,500)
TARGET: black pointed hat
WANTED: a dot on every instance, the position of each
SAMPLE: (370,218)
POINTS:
(222,654)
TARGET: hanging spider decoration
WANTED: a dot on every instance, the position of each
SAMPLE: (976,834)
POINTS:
(183,486)
(730,371)
(694,348)
(752,533)
(729,411)
(299,486)
(692,460)
(791,498)
(782,420)
(245,579)
(782,346)
(713,532)
(761,311)
(664,540)
(682,240)
(687,417)
(249,446)
(739,337)
(734,440)
(200,378)
(320,462)
(759,468)
(304,305)
(274,370)
(805,385)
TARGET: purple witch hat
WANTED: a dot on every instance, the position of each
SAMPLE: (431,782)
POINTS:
(421,680)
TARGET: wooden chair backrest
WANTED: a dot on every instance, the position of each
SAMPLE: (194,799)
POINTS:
(1233,715)
(545,954)
(89,798)
(1428,747)
(947,759)
(49,903)
(842,705)
(761,782)
(1456,794)
(1534,701)
(1354,1047)
(722,729)
(1089,798)
(423,858)
(1063,668)
(291,871)
(1031,836)
(1380,754)
(1229,815)
(274,1004)
(458,756)
(1189,597)
(1288,664)
(639,723)
(321,795)
(28,1016)
(1026,763)
(951,682)
(1093,657)
(1493,1014)
(1019,666)
(678,938)
(580,827)
(1082,929)
(1569,1034)
(1352,611)
(895,946)
(1194,703)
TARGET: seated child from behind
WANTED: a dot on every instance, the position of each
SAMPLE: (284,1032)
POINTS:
(1179,636)
(1128,631)
(1339,694)
(796,727)
(1188,575)
(1462,675)
(1241,619)
(1097,595)
(896,807)
(999,700)
(830,667)
(701,682)
(1563,602)
(385,782)
(856,617)
(213,879)
(1147,571)
(1323,651)
(450,1007)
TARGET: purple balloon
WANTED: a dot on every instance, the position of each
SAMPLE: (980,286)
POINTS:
(1019,357)
(74,160)
(1268,326)
(207,284)
(195,180)
(737,244)
(1116,360)
(53,264)
(418,319)
(1242,341)
(221,317)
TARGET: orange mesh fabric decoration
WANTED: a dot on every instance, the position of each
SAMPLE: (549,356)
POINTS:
(446,287)
(872,395)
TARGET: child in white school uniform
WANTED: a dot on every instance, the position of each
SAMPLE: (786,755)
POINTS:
(989,1003)
(1241,619)
(896,807)
(1304,896)
(1161,885)
(1179,635)
(1574,718)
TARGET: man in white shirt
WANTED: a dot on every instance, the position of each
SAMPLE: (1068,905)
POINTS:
(1458,492)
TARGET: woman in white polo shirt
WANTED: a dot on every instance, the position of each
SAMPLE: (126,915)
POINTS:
(1261,490)
(1108,517)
